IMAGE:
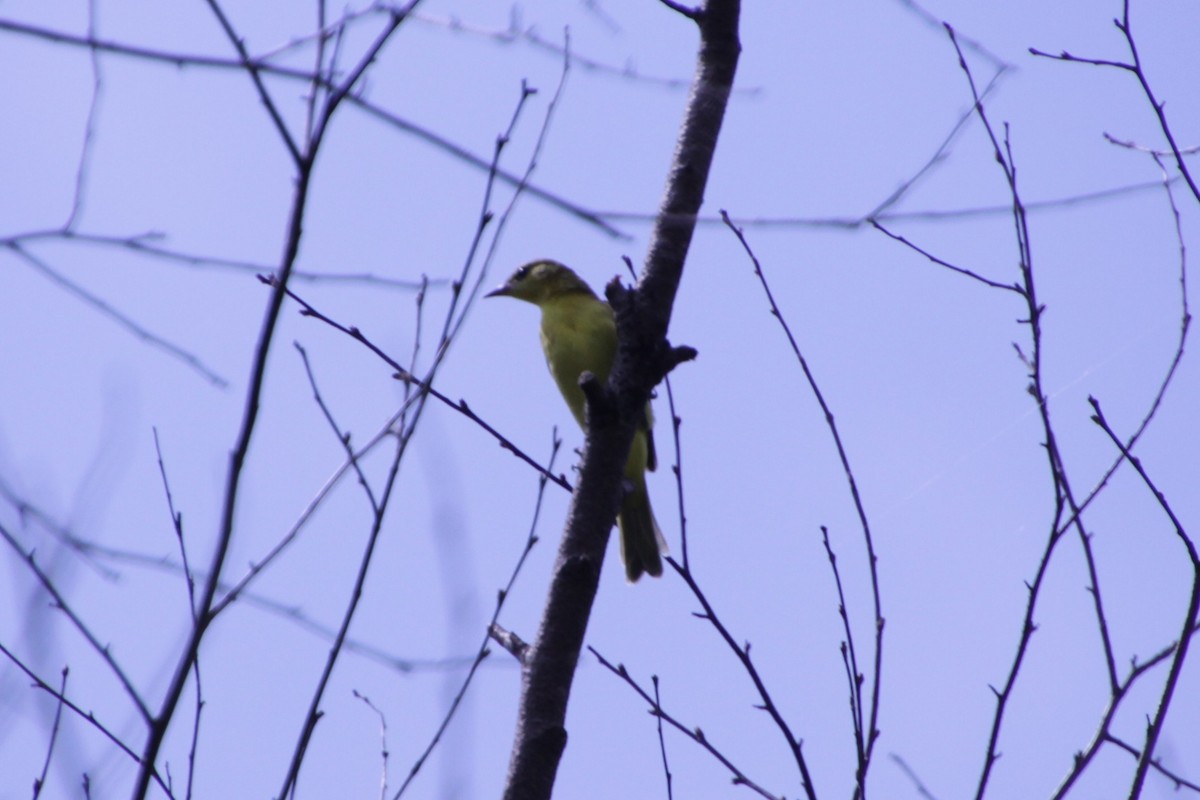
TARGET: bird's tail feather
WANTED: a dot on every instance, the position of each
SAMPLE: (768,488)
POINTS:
(642,543)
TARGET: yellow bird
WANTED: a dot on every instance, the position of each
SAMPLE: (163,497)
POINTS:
(579,335)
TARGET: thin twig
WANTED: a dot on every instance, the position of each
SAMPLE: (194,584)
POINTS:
(482,653)
(379,505)
(89,127)
(289,612)
(941,263)
(869,727)
(921,788)
(402,373)
(662,742)
(177,524)
(190,581)
(240,451)
(857,222)
(27,510)
(257,567)
(854,678)
(144,244)
(1064,500)
(939,154)
(1180,782)
(521,187)
(121,318)
(60,602)
(39,783)
(1135,67)
(677,469)
(87,716)
(383,742)
(251,69)
(742,652)
(516,33)
(343,437)
(1104,730)
(1154,729)
(695,734)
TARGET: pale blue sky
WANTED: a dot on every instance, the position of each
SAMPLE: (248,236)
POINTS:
(841,103)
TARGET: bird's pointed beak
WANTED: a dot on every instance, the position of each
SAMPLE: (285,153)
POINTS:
(499,291)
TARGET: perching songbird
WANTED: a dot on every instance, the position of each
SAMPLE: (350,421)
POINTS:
(579,335)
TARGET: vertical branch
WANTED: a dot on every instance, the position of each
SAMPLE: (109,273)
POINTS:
(643,358)
(237,461)
(677,468)
(662,743)
(406,422)
(305,162)
(89,126)
(676,222)
(1064,498)
(39,783)
(189,578)
(850,663)
(1033,362)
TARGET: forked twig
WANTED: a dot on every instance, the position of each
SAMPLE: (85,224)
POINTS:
(695,734)
(87,716)
(866,714)
(1154,729)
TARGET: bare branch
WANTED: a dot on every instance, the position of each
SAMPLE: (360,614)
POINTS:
(402,373)
(1135,66)
(144,244)
(60,602)
(691,13)
(867,729)
(87,716)
(662,742)
(120,317)
(1154,729)
(190,581)
(240,451)
(677,469)
(953,267)
(642,316)
(264,67)
(1180,783)
(39,783)
(1065,504)
(251,69)
(742,652)
(695,734)
(1104,731)
(89,127)
(383,743)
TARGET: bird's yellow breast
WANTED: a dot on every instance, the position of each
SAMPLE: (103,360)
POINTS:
(578,335)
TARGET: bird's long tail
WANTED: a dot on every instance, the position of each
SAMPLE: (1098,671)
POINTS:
(642,544)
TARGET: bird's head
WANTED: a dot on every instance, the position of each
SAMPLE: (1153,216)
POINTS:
(538,281)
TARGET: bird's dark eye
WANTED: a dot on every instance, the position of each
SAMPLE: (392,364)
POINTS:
(522,273)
